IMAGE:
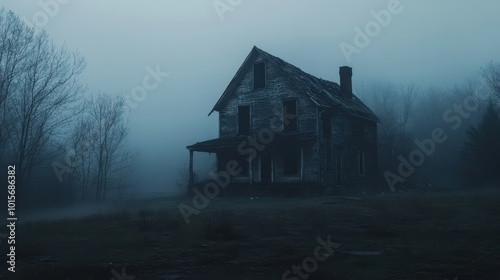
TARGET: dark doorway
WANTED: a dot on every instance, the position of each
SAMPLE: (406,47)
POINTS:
(339,168)
(266,168)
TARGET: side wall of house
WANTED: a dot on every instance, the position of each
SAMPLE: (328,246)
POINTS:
(352,136)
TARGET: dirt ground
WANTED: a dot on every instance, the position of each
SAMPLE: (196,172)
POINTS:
(449,235)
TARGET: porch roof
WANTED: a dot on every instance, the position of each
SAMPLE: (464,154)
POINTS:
(224,143)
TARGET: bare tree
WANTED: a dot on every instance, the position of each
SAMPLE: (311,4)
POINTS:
(491,74)
(431,106)
(14,48)
(477,89)
(101,157)
(38,88)
(394,105)
(82,162)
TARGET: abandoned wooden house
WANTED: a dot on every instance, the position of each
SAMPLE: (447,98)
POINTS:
(280,125)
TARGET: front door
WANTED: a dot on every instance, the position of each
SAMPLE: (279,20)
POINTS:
(265,168)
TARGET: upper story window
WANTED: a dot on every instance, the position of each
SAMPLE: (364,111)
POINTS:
(326,121)
(259,75)
(243,120)
(289,116)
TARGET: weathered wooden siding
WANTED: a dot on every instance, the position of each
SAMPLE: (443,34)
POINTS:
(347,141)
(266,104)
(266,111)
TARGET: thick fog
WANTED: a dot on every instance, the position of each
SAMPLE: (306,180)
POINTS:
(202,43)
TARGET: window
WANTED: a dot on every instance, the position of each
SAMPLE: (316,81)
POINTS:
(243,120)
(290,116)
(292,162)
(327,126)
(259,75)
(361,163)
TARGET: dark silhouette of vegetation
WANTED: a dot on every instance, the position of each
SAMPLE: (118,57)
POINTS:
(45,121)
(39,89)
(102,161)
(394,105)
(481,152)
(491,75)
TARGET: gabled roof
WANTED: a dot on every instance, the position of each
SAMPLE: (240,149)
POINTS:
(322,92)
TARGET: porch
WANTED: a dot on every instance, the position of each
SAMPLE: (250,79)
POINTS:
(279,158)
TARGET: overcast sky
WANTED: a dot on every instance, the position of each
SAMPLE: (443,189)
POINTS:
(201,44)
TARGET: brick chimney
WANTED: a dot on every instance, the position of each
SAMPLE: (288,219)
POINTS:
(346,81)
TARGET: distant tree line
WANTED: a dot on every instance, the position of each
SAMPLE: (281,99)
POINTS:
(469,157)
(50,121)
(481,152)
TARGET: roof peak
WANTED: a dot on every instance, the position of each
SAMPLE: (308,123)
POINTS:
(304,82)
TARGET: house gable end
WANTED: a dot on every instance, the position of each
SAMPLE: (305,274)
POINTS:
(266,103)
(255,56)
(321,92)
(235,81)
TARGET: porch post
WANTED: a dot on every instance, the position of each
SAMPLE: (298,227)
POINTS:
(302,163)
(250,171)
(191,178)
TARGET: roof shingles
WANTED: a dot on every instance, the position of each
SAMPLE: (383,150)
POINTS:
(322,92)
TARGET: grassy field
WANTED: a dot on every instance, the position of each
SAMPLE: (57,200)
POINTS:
(453,235)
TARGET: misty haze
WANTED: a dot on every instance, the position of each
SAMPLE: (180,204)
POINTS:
(234,139)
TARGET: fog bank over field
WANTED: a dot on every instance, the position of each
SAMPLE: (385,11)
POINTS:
(185,53)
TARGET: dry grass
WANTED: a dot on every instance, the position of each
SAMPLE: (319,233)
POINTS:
(421,236)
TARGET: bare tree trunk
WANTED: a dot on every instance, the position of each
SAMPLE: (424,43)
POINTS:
(107,151)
